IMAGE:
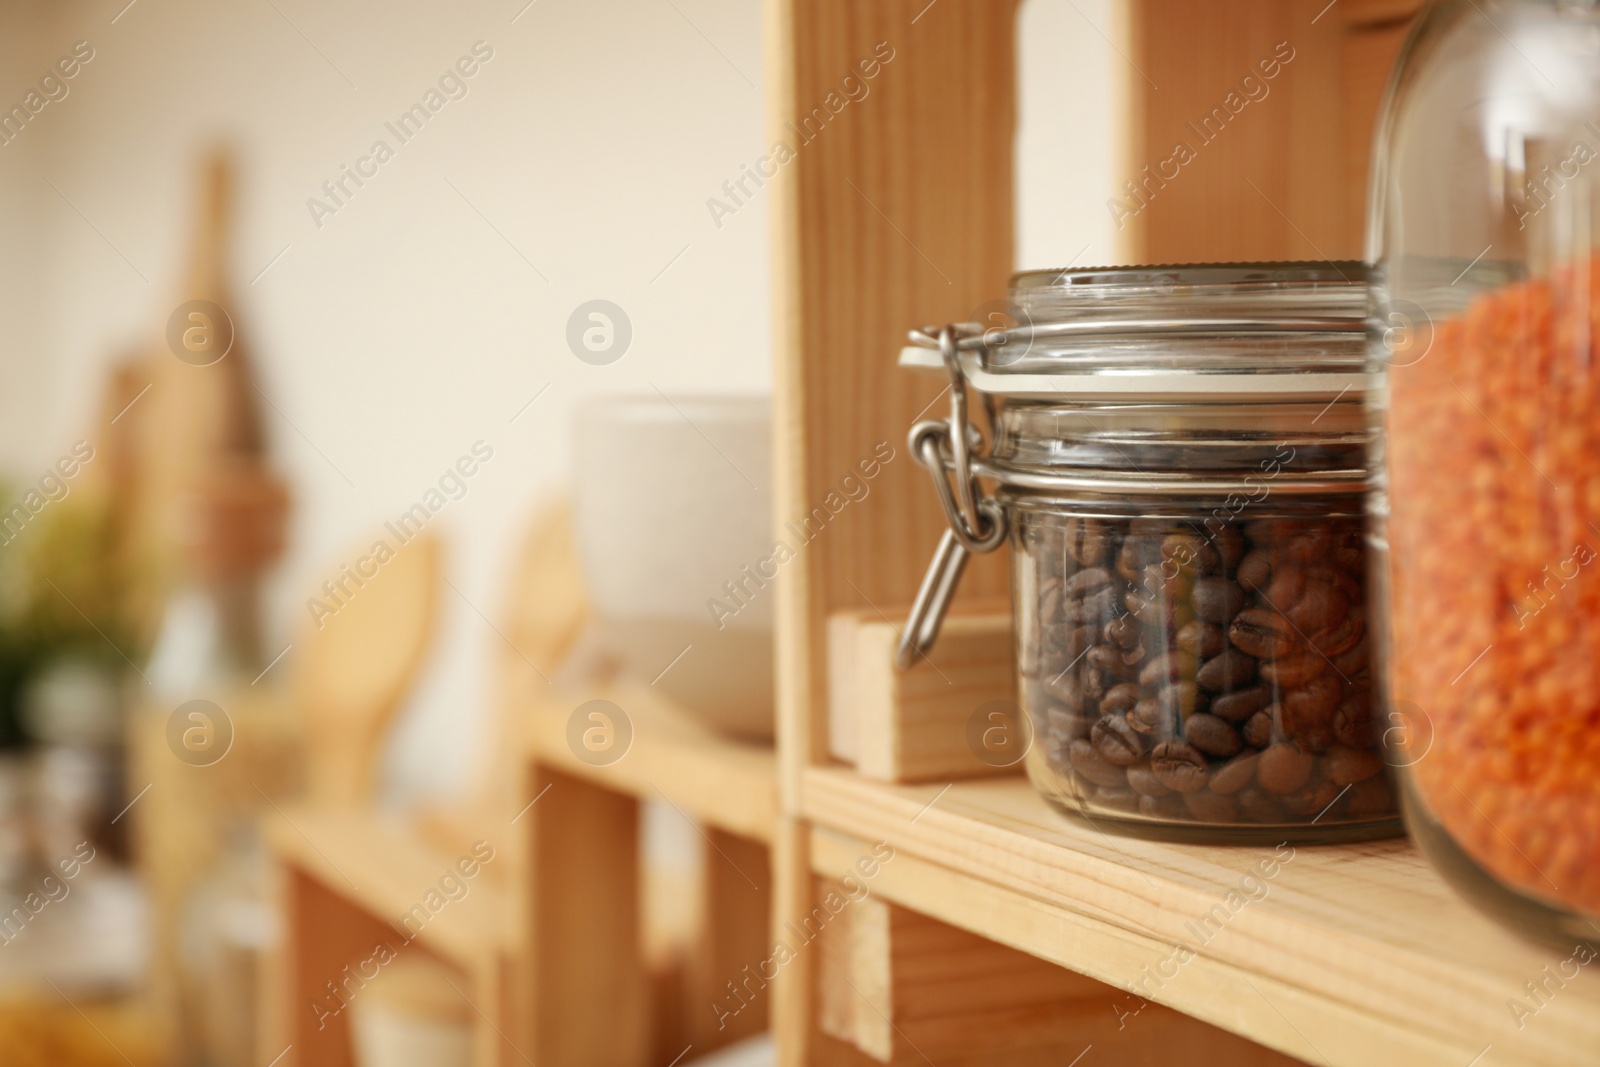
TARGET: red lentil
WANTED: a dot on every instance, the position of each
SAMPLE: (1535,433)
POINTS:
(1493,460)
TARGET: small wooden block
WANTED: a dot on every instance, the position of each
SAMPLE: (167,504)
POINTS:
(912,725)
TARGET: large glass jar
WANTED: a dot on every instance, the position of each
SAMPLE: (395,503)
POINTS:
(1487,462)
(1179,456)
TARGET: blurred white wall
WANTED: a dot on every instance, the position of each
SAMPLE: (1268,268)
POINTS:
(1072,107)
(407,327)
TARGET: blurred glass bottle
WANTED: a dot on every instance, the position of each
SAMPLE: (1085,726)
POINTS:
(214,512)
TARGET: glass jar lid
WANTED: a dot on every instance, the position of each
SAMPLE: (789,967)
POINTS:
(1215,331)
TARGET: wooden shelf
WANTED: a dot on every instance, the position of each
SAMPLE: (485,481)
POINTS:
(730,784)
(1353,954)
(382,869)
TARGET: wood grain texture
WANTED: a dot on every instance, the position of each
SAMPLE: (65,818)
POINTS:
(585,990)
(1367,59)
(1368,13)
(1348,955)
(734,938)
(908,989)
(1266,182)
(327,935)
(912,725)
(378,866)
(898,214)
(672,758)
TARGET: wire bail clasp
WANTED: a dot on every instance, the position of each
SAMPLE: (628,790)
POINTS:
(976,523)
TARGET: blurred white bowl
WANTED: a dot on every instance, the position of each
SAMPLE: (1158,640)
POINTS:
(673,503)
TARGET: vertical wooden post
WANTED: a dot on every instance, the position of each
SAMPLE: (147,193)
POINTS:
(327,933)
(735,941)
(1284,175)
(586,985)
(893,210)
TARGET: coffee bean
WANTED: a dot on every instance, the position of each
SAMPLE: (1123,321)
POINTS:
(1110,661)
(1217,600)
(1143,780)
(1287,586)
(1067,726)
(1368,798)
(1180,697)
(1180,766)
(1153,716)
(1294,670)
(1123,631)
(1240,704)
(1119,797)
(1137,553)
(1270,532)
(1168,581)
(1116,741)
(1284,767)
(1094,606)
(1168,667)
(1226,671)
(1229,543)
(1169,808)
(1309,708)
(1236,774)
(1077,690)
(1119,699)
(1091,766)
(1255,570)
(1352,662)
(1209,807)
(1189,551)
(1257,730)
(1352,721)
(1263,633)
(1146,607)
(1086,582)
(1347,766)
(1351,585)
(1203,639)
(1310,543)
(1088,541)
(1318,607)
(1260,806)
(1211,735)
(1338,637)
(1318,800)
(1350,551)
(1075,640)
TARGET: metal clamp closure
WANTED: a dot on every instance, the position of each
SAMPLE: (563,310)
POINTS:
(976,523)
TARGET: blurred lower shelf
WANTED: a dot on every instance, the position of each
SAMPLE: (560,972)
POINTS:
(663,754)
(1345,955)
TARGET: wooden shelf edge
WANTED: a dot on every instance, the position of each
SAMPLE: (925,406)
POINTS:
(387,875)
(726,783)
(1362,946)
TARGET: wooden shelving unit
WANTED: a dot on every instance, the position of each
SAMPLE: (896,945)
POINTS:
(964,922)
(1350,955)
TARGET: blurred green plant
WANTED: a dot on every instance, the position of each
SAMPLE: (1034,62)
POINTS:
(63,592)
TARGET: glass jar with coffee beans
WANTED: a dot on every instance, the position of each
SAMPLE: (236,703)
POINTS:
(1178,463)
